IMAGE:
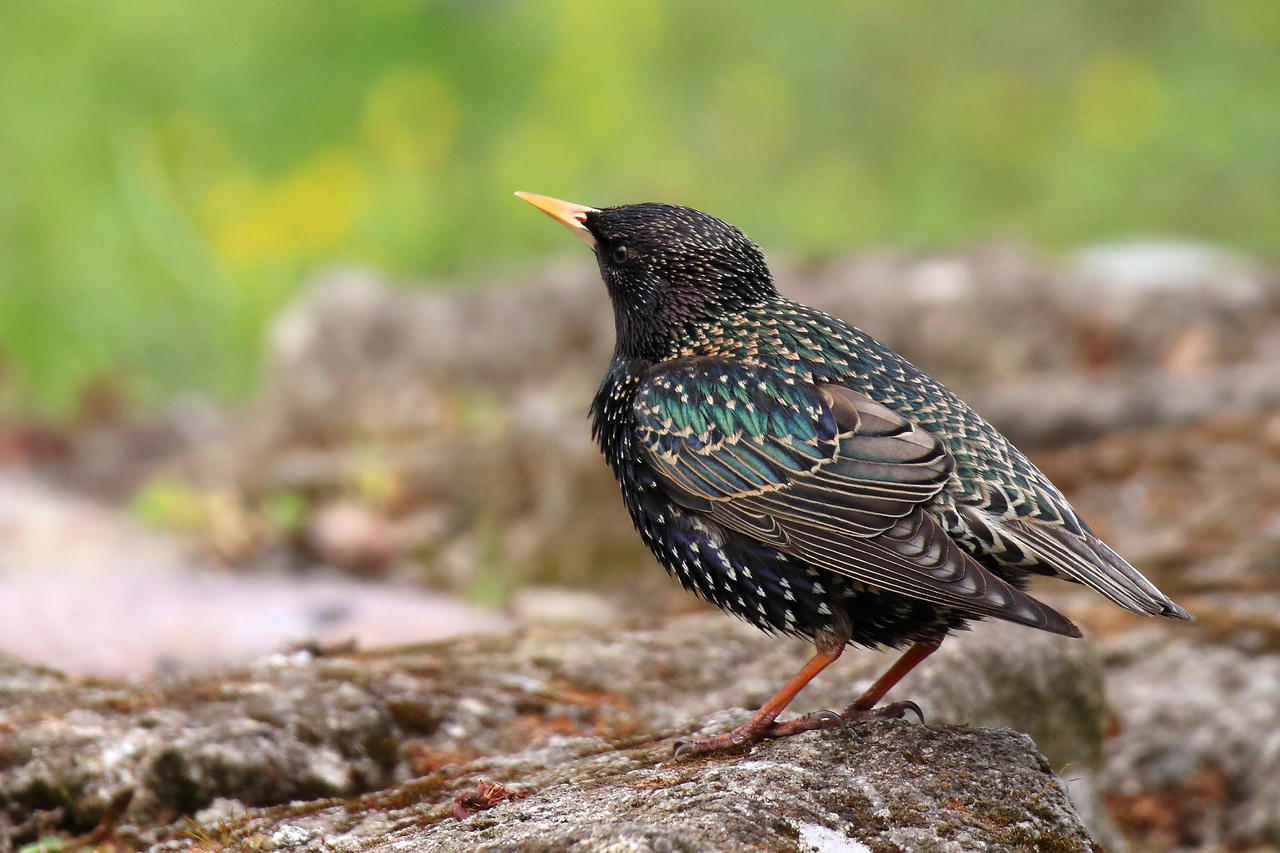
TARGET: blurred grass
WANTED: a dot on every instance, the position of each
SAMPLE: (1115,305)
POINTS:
(169,173)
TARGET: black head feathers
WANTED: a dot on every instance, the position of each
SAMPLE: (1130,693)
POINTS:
(667,267)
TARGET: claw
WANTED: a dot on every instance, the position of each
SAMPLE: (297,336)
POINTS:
(892,711)
(832,717)
(681,748)
(908,705)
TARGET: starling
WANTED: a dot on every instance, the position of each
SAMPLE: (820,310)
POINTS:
(795,472)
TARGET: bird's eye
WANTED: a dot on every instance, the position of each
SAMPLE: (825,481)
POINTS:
(620,253)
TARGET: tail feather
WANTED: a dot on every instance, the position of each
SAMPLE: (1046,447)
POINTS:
(1091,561)
(1168,607)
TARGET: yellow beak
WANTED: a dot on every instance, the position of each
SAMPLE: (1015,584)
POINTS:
(572,216)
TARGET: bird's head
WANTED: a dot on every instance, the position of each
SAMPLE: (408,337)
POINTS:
(668,268)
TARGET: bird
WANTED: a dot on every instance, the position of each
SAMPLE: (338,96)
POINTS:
(795,472)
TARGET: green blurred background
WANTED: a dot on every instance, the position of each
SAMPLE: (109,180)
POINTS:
(171,172)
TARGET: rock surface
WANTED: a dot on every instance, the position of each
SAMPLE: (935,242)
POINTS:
(543,710)
(879,787)
(1196,761)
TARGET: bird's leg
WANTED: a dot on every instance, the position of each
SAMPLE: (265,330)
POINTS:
(873,694)
(864,707)
(761,724)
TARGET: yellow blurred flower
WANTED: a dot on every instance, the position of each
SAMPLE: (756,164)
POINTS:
(308,211)
(1118,98)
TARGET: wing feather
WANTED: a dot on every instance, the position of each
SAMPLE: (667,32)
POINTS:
(821,472)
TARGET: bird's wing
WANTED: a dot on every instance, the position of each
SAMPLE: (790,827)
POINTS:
(821,472)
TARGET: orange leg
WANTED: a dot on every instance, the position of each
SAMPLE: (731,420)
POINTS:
(864,707)
(760,724)
(910,658)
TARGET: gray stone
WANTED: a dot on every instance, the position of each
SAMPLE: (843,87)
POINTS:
(888,786)
(1197,754)
(515,709)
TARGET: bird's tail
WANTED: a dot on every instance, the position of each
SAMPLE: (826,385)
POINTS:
(1090,561)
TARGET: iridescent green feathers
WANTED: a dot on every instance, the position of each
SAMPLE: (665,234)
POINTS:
(820,472)
(719,429)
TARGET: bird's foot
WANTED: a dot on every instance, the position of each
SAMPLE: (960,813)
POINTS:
(754,731)
(853,714)
(751,732)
